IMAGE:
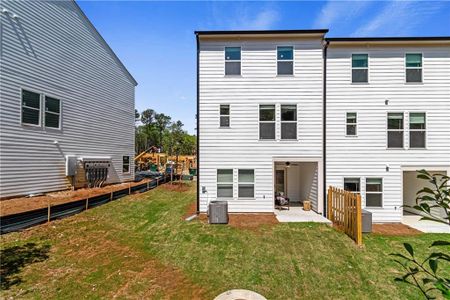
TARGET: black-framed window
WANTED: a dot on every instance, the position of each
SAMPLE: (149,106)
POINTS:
(351,123)
(125,164)
(52,112)
(374,192)
(417,130)
(267,122)
(31,108)
(352,184)
(395,130)
(246,183)
(360,68)
(232,60)
(285,60)
(225,183)
(288,122)
(224,115)
(413,65)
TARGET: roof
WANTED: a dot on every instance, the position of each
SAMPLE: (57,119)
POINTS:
(388,39)
(119,62)
(253,32)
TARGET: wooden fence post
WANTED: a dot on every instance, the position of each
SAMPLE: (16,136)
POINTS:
(358,220)
(87,203)
(48,210)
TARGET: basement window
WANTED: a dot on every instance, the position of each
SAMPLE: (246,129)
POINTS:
(232,60)
(288,122)
(126,164)
(413,67)
(52,112)
(374,192)
(246,183)
(360,68)
(225,183)
(395,130)
(352,185)
(417,131)
(351,120)
(31,108)
(224,115)
(285,60)
(267,122)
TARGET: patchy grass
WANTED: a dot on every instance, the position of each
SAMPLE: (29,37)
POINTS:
(140,247)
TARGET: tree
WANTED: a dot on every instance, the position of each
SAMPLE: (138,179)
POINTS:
(162,121)
(148,117)
(137,116)
(434,203)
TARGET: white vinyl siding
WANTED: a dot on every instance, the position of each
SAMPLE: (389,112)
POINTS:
(64,58)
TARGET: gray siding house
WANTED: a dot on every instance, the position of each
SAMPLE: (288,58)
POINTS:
(65,98)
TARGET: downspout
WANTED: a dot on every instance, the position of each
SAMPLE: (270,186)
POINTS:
(324,129)
(198,125)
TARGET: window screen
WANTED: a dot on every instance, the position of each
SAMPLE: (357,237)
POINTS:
(288,122)
(351,120)
(374,192)
(126,164)
(285,60)
(352,185)
(267,122)
(360,68)
(246,186)
(413,67)
(52,112)
(417,131)
(232,61)
(224,183)
(31,108)
(224,115)
(395,130)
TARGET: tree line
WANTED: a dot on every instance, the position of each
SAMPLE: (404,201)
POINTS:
(158,130)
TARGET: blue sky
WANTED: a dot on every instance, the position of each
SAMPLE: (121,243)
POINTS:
(156,42)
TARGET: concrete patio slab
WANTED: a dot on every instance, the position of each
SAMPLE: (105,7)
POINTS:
(425,226)
(297,214)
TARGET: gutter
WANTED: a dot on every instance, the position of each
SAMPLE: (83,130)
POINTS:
(324,129)
(198,123)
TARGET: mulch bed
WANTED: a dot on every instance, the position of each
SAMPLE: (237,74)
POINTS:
(23,204)
(394,229)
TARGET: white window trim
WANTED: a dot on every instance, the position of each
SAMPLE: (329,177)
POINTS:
(21,106)
(417,130)
(292,122)
(44,95)
(267,122)
(346,124)
(225,183)
(352,177)
(246,183)
(359,68)
(233,60)
(395,130)
(404,63)
(293,61)
(129,165)
(229,116)
(382,192)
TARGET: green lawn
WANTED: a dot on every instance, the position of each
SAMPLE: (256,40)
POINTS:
(140,247)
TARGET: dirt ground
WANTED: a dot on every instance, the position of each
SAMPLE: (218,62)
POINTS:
(176,186)
(23,204)
(394,229)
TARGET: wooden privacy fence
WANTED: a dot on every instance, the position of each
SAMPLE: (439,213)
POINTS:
(344,210)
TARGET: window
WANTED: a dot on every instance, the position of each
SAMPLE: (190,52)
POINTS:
(374,192)
(351,120)
(52,112)
(413,67)
(285,60)
(360,68)
(352,185)
(417,130)
(246,186)
(267,122)
(31,108)
(395,130)
(288,122)
(224,116)
(225,183)
(232,61)
(125,164)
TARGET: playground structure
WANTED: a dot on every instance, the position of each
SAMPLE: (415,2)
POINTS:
(153,160)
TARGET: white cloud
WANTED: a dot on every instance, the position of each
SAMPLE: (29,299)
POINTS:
(398,18)
(340,12)
(245,17)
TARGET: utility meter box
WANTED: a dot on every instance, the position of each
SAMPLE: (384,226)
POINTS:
(71,165)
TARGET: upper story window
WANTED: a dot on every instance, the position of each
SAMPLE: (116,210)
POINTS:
(31,108)
(232,60)
(267,122)
(417,131)
(52,112)
(225,183)
(125,164)
(360,68)
(395,130)
(351,121)
(285,60)
(246,183)
(224,115)
(413,67)
(352,185)
(374,192)
(288,122)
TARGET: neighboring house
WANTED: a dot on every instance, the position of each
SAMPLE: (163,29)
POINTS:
(66,100)
(271,103)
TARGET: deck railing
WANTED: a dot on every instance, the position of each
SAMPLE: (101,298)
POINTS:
(344,210)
